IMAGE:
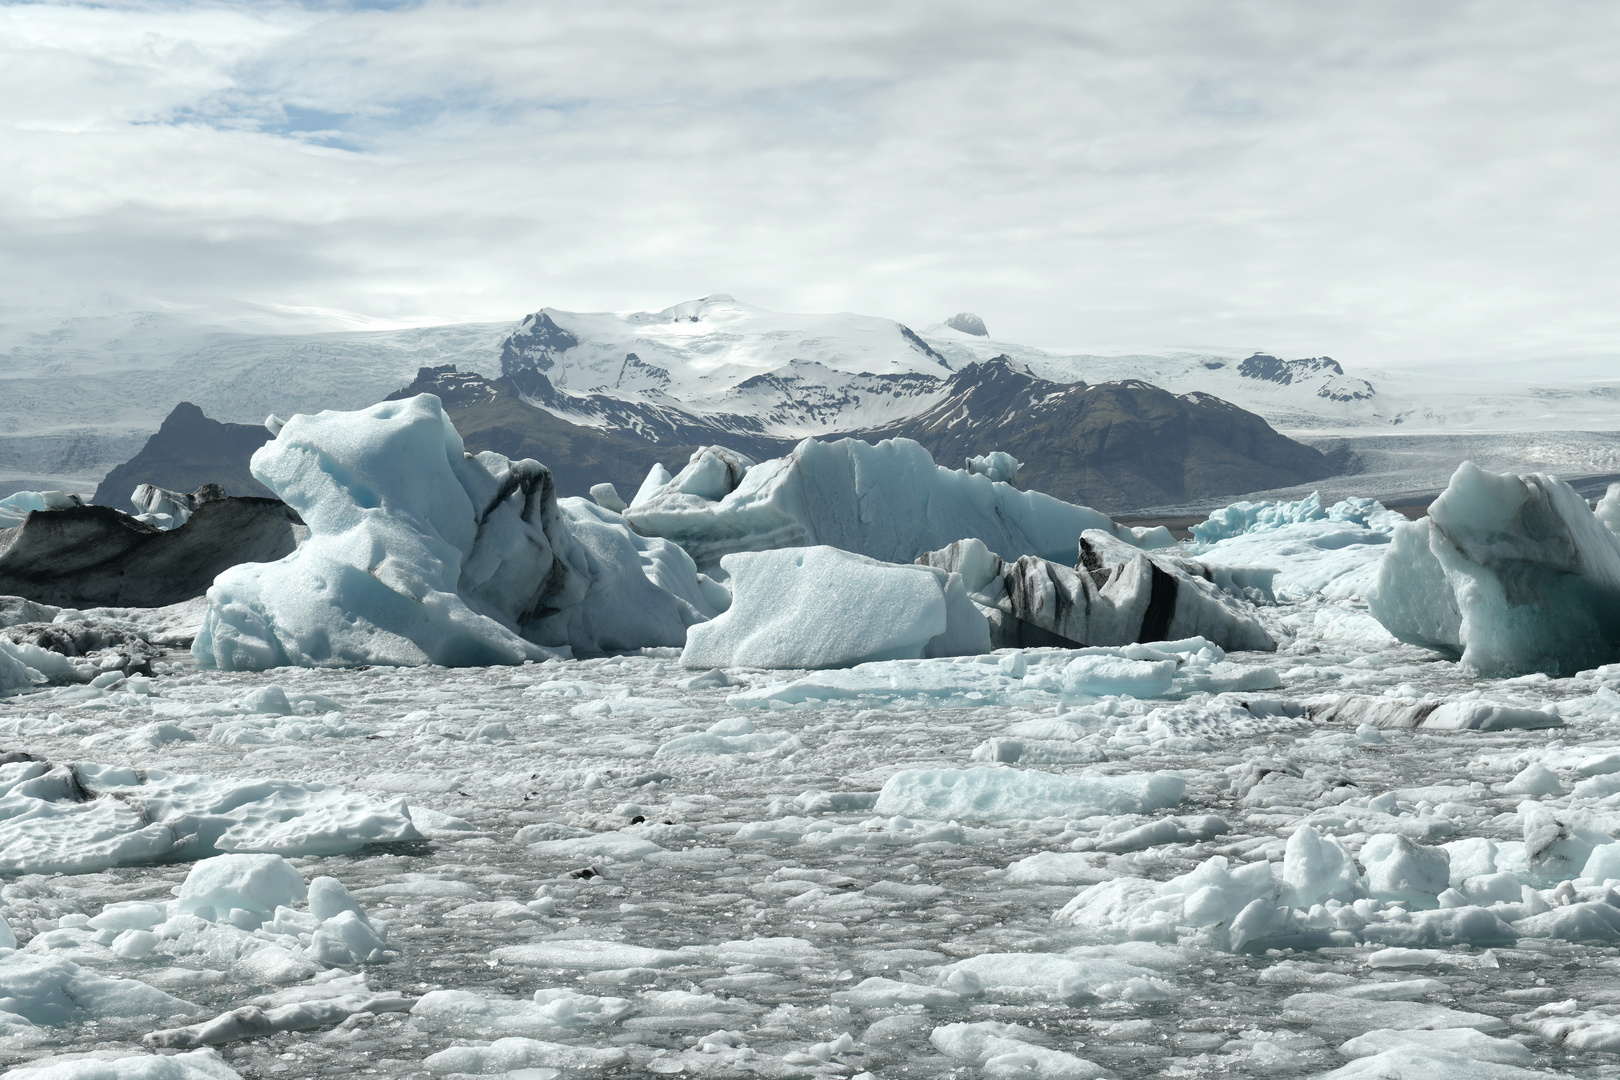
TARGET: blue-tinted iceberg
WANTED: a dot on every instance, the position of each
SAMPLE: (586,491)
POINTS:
(419,552)
(1245,517)
(820,607)
(888,501)
(1508,573)
(15,508)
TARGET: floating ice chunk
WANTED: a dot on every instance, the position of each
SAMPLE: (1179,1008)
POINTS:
(1334,1014)
(1477,715)
(1107,972)
(51,991)
(607,497)
(997,465)
(1401,958)
(1603,864)
(256,884)
(1418,1062)
(1593,920)
(15,672)
(881,993)
(1607,510)
(511,1055)
(888,501)
(121,1065)
(1467,925)
(1170,830)
(585,954)
(1509,573)
(1009,1050)
(82,817)
(726,737)
(1115,594)
(170,509)
(988,794)
(15,508)
(1534,779)
(820,607)
(1250,517)
(556,1011)
(1398,869)
(314,1013)
(1111,676)
(1317,868)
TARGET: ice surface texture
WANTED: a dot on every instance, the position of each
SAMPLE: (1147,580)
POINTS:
(1508,573)
(1115,594)
(420,553)
(888,501)
(820,607)
(83,817)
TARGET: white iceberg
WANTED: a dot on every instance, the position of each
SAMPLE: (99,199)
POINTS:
(421,553)
(820,607)
(1507,573)
(889,501)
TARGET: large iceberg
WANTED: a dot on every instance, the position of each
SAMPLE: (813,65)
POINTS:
(1507,573)
(888,501)
(1115,594)
(419,552)
(820,607)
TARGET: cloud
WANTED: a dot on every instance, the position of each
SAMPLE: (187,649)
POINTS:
(1383,182)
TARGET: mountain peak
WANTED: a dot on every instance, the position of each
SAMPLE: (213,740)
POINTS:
(967,323)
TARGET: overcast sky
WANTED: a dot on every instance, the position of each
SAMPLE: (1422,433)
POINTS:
(1383,182)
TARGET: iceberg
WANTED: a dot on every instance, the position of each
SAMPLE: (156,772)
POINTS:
(167,509)
(820,607)
(419,552)
(888,501)
(1509,574)
(15,508)
(1247,517)
(1116,594)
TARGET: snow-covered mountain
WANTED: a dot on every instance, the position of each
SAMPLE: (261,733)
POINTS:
(79,396)
(715,368)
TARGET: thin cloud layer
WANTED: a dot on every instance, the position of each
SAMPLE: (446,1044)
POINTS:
(1385,182)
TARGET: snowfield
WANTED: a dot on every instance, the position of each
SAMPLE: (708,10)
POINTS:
(1247,864)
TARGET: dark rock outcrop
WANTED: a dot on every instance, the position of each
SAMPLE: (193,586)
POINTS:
(95,556)
(1113,446)
(188,451)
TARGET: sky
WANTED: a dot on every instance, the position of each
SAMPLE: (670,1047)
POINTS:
(1387,183)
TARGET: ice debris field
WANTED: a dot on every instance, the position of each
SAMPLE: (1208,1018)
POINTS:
(843,764)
